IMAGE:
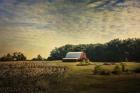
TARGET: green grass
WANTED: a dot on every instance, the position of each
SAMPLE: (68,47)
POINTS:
(80,79)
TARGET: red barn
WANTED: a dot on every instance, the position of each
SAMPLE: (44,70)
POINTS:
(75,56)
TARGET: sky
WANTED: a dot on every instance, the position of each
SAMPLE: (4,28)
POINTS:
(38,26)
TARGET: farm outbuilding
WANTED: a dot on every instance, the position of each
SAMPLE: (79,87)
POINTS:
(75,56)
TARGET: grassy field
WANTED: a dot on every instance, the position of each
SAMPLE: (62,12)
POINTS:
(60,77)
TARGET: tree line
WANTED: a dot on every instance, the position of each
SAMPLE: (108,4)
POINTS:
(18,56)
(113,51)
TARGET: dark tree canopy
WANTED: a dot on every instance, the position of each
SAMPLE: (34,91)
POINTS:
(38,58)
(115,50)
(16,56)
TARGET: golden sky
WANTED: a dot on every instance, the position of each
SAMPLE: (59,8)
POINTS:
(39,27)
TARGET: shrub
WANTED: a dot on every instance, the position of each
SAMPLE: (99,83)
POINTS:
(105,72)
(83,63)
(98,70)
(123,66)
(117,70)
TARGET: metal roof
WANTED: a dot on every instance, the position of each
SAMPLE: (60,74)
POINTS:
(73,54)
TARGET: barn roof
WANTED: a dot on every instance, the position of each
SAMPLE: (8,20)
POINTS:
(73,54)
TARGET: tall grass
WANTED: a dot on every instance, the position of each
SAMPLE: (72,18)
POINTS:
(30,77)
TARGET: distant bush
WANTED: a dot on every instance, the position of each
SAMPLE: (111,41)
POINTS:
(98,70)
(117,70)
(38,58)
(105,72)
(123,66)
(83,63)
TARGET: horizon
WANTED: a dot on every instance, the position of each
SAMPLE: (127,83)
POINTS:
(45,57)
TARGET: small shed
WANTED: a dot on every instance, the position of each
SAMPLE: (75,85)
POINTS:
(75,56)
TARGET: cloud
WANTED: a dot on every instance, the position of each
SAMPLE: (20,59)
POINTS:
(39,27)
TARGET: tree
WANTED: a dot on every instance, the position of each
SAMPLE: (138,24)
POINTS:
(16,56)
(38,58)
(114,50)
